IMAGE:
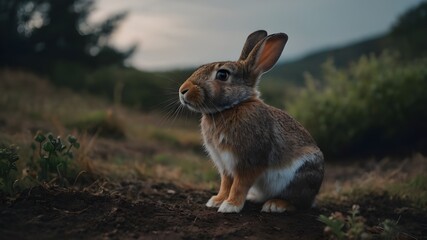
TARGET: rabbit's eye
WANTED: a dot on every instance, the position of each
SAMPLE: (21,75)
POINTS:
(222,75)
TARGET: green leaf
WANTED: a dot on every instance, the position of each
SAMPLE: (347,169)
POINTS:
(335,225)
(63,147)
(50,136)
(13,167)
(39,138)
(72,139)
(76,145)
(48,147)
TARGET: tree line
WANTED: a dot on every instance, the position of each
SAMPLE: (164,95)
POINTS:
(38,33)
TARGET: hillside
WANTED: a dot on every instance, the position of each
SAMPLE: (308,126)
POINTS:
(406,36)
(293,71)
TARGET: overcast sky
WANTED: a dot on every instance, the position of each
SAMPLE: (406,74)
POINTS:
(186,33)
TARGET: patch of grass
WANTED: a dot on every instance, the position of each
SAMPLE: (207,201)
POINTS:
(400,178)
(165,137)
(414,190)
(188,167)
(178,138)
(102,123)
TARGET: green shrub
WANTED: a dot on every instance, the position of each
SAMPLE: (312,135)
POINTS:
(377,105)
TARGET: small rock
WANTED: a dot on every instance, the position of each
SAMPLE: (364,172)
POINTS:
(170,191)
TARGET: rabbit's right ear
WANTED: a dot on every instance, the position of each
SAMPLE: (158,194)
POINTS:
(266,53)
(252,40)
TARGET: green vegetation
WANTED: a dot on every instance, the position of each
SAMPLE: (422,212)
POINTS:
(376,105)
(39,33)
(8,158)
(406,36)
(116,142)
(345,227)
(53,164)
(352,226)
(413,190)
(54,157)
(101,123)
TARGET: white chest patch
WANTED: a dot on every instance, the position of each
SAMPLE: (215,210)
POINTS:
(225,161)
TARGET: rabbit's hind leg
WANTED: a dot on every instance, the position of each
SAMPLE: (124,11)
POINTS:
(277,205)
(305,185)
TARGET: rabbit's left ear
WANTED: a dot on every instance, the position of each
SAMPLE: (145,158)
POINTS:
(266,53)
(251,42)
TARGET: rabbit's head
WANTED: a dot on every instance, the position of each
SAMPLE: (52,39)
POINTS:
(218,86)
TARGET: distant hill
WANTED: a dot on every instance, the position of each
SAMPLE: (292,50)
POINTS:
(286,75)
(407,35)
(292,72)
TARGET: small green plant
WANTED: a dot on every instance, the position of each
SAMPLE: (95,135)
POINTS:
(388,229)
(8,158)
(54,156)
(339,226)
(353,226)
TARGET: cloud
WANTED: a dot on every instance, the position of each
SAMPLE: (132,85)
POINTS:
(186,33)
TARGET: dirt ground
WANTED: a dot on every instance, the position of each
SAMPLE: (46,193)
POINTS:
(144,210)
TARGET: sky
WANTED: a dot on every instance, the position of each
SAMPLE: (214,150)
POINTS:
(173,34)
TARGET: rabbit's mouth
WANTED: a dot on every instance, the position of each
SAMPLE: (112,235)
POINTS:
(188,105)
(199,109)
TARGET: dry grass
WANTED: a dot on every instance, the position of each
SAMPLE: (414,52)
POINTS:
(150,146)
(403,178)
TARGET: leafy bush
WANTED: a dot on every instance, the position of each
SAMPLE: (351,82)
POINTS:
(377,105)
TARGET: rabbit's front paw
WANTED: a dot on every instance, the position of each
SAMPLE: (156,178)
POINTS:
(214,202)
(227,207)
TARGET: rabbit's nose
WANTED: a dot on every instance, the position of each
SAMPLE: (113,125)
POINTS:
(183,91)
(185,87)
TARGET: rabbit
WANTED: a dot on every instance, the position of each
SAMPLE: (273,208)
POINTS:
(262,153)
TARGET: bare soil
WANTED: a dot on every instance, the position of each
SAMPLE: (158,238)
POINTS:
(146,210)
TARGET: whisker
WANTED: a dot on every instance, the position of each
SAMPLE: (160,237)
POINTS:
(168,111)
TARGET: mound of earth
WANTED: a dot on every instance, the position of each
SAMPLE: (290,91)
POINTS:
(143,210)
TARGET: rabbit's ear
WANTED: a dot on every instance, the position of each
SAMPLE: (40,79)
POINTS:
(251,42)
(266,53)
